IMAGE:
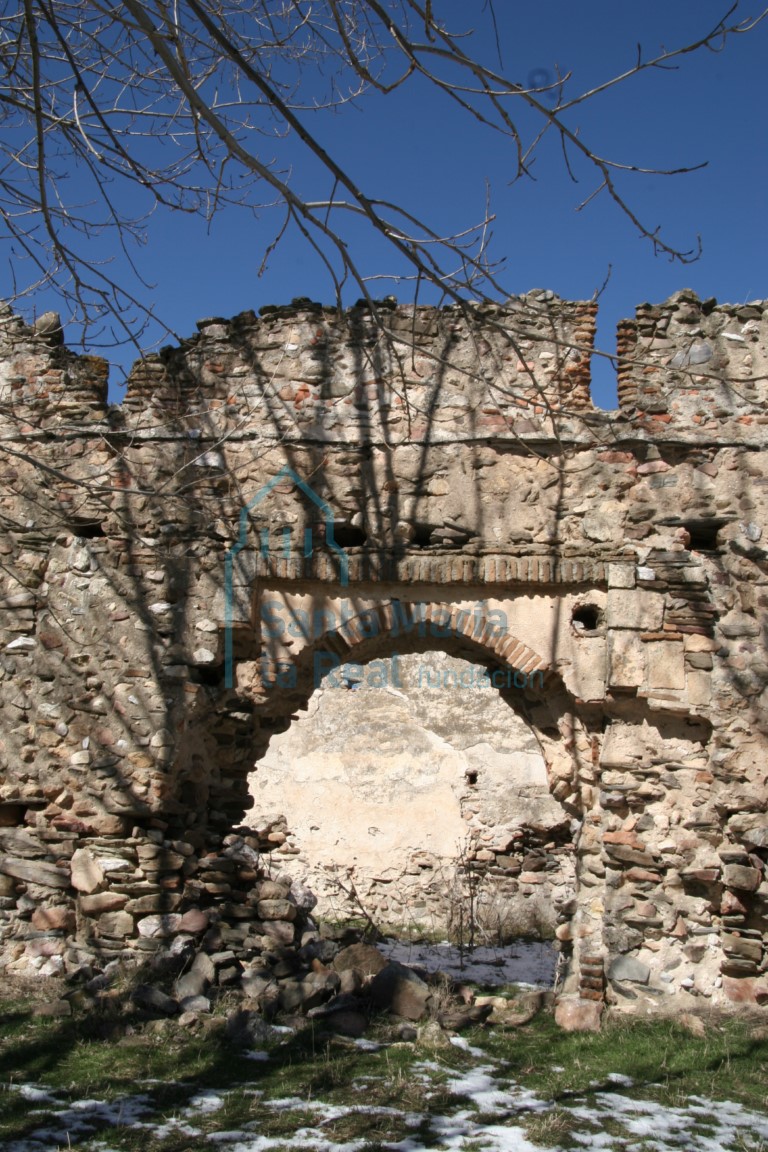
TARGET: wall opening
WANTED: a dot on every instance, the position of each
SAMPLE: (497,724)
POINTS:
(704,535)
(348,535)
(586,618)
(415,795)
(87,530)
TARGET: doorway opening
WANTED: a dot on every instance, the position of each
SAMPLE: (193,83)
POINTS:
(417,802)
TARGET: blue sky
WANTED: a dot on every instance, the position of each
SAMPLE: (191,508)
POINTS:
(415,148)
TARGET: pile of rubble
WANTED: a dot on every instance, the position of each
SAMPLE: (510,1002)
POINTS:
(335,980)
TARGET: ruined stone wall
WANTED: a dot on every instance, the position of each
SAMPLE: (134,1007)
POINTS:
(460,463)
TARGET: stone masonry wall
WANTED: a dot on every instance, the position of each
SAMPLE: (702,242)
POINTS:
(390,481)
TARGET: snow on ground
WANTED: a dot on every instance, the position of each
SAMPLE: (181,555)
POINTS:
(489,1113)
(702,1126)
(528,962)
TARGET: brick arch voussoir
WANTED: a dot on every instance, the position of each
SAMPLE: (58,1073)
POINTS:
(374,631)
(380,635)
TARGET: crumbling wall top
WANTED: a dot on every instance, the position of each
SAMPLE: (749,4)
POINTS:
(696,364)
(688,370)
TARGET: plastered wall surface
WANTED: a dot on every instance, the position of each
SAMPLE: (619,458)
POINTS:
(285,492)
(420,798)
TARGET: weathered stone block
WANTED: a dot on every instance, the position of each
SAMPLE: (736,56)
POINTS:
(44,946)
(634,609)
(194,921)
(629,968)
(154,902)
(87,873)
(276,910)
(161,925)
(366,959)
(588,679)
(575,1014)
(154,1000)
(399,990)
(621,575)
(56,919)
(745,947)
(280,931)
(666,665)
(35,872)
(699,686)
(102,902)
(745,991)
(626,660)
(742,878)
(115,924)
(757,837)
(627,855)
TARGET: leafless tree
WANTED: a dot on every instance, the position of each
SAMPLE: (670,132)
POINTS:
(111,112)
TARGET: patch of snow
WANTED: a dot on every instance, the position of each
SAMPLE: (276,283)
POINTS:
(595,1139)
(460,1042)
(496,1138)
(205,1101)
(618,1078)
(80,1120)
(481,1089)
(171,1128)
(34,1094)
(489,1096)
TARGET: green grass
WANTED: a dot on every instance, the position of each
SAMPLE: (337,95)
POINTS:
(729,1061)
(89,1056)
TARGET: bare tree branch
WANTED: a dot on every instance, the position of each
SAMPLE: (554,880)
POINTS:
(183,102)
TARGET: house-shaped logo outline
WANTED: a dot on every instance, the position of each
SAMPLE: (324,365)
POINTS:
(286,472)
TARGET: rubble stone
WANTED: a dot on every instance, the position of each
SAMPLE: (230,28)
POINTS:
(398,989)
